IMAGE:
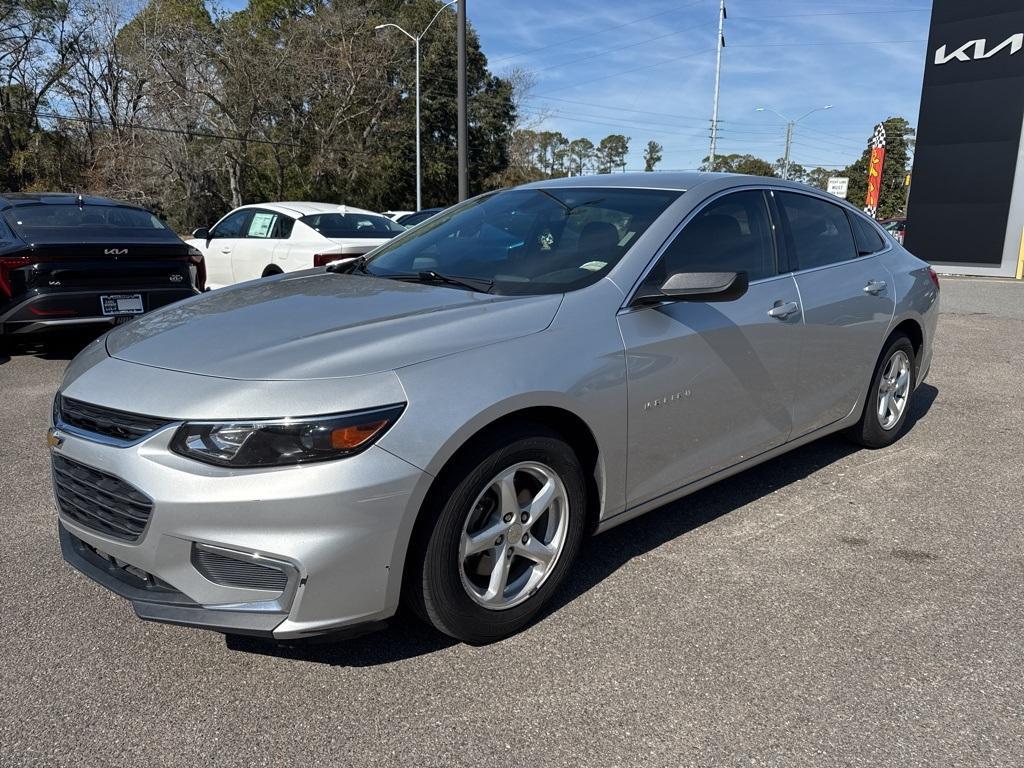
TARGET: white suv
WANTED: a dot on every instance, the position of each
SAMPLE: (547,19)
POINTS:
(270,238)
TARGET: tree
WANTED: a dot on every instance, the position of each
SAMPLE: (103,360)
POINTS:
(898,141)
(818,177)
(652,155)
(735,163)
(581,156)
(796,171)
(611,152)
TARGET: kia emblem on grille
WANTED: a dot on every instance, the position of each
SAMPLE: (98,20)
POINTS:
(115,251)
(176,278)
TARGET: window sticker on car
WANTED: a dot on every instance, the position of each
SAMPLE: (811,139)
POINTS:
(261,224)
(594,266)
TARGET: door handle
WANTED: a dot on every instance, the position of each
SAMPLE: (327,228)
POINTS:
(874,287)
(225,250)
(781,311)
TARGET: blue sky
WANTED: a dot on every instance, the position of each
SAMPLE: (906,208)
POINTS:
(647,70)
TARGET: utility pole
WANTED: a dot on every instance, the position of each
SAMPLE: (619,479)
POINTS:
(789,146)
(790,125)
(463,131)
(718,80)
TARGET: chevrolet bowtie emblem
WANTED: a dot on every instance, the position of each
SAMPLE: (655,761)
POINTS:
(53,438)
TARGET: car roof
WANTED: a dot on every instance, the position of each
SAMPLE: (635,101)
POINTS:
(15,199)
(302,208)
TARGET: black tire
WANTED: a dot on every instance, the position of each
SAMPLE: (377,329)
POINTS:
(272,270)
(869,432)
(433,584)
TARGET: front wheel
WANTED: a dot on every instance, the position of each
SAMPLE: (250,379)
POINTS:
(887,406)
(504,539)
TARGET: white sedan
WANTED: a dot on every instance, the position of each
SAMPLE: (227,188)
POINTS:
(270,238)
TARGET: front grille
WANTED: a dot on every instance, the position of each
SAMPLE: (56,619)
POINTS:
(99,501)
(230,572)
(107,421)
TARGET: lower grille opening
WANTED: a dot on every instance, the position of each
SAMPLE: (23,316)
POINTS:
(100,501)
(231,572)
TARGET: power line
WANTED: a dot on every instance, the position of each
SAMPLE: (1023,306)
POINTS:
(560,43)
(826,42)
(831,13)
(152,128)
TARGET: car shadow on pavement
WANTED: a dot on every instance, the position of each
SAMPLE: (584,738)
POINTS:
(49,346)
(602,555)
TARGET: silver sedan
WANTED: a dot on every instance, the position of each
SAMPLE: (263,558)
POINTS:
(443,421)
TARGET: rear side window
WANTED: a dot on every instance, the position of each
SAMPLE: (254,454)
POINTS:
(732,234)
(819,232)
(867,237)
(262,225)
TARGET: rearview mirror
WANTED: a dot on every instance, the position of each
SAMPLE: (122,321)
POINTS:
(203,233)
(698,286)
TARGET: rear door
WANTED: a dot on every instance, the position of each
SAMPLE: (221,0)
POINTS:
(710,383)
(847,297)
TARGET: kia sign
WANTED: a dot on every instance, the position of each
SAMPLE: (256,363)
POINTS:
(966,207)
(975,50)
(839,186)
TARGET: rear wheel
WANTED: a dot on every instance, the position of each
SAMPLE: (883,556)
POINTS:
(272,270)
(509,528)
(888,401)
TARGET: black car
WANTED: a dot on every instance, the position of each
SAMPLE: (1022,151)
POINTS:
(412,219)
(73,259)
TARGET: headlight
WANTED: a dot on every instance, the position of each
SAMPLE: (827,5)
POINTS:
(277,442)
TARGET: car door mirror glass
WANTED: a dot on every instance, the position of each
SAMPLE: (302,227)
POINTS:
(202,233)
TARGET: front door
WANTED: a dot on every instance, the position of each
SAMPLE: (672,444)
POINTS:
(709,383)
(227,235)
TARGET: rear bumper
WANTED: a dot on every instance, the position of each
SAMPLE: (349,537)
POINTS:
(41,309)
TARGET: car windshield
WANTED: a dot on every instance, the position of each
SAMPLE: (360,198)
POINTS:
(528,241)
(352,225)
(70,222)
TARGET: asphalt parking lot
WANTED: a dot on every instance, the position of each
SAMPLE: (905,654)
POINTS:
(832,607)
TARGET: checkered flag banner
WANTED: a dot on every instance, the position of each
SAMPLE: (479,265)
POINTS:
(875,170)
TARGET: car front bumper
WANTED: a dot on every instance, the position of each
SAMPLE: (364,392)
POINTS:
(335,530)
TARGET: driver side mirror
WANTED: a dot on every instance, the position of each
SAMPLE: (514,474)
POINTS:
(203,233)
(697,286)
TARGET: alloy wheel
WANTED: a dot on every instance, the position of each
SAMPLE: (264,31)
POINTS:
(513,535)
(893,390)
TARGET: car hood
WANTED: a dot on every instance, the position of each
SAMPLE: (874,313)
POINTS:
(313,325)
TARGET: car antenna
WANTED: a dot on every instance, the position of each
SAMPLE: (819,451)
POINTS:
(80,202)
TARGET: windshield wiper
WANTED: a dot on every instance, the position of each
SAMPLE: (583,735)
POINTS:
(478,284)
(348,266)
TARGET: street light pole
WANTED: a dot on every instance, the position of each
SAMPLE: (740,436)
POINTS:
(416,42)
(790,125)
(463,129)
(718,79)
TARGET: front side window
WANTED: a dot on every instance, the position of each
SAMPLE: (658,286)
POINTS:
(731,234)
(358,225)
(235,225)
(819,232)
(528,241)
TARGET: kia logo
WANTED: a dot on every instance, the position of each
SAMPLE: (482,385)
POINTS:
(115,251)
(176,278)
(973,50)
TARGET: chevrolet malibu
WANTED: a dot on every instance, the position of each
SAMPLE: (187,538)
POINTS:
(442,421)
